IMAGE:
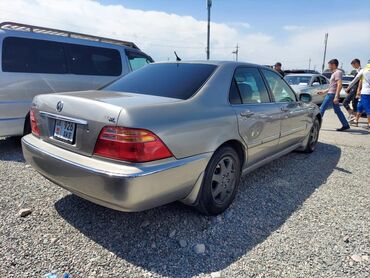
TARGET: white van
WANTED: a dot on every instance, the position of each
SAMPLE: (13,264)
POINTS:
(37,60)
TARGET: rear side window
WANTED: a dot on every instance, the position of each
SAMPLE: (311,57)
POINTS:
(173,80)
(250,86)
(90,60)
(34,56)
(41,56)
(137,60)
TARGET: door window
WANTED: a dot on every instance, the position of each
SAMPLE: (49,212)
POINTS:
(279,88)
(323,80)
(316,80)
(248,87)
(137,60)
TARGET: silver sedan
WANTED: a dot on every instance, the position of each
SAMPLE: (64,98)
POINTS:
(308,83)
(181,131)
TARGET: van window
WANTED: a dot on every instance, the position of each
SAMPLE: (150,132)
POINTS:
(34,56)
(91,60)
(137,60)
(41,56)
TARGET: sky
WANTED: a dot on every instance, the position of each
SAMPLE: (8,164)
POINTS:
(288,31)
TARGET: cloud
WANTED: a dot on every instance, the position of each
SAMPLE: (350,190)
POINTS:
(244,25)
(160,33)
(293,27)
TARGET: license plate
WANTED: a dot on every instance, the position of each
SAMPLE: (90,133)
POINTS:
(64,131)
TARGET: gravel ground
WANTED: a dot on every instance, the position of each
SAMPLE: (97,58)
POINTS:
(300,216)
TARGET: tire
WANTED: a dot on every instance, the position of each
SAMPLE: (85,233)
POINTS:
(313,137)
(27,126)
(220,183)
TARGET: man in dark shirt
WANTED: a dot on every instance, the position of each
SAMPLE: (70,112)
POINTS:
(277,67)
(351,93)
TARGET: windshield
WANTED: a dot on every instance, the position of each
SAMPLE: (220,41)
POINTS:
(173,80)
(297,79)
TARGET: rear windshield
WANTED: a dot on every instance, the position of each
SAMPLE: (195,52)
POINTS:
(173,80)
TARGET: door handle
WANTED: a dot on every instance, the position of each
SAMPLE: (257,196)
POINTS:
(246,113)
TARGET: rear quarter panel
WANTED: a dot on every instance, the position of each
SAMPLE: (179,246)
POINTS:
(194,126)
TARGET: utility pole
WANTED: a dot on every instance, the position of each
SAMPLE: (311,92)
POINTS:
(326,45)
(236,52)
(309,63)
(209,5)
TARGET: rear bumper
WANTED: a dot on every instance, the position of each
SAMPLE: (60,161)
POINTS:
(114,185)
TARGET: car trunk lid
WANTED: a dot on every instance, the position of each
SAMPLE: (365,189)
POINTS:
(74,120)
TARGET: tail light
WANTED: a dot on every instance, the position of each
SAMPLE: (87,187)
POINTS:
(129,144)
(34,127)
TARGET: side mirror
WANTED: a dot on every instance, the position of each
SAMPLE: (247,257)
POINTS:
(306,98)
(314,84)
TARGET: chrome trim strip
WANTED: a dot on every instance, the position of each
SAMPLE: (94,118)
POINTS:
(12,119)
(64,118)
(149,171)
(15,101)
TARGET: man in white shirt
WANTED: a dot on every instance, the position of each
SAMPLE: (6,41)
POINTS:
(363,94)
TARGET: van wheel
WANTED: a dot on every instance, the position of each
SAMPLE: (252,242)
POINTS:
(220,183)
(313,137)
(27,126)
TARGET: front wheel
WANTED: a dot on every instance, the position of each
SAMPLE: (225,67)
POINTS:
(220,183)
(313,137)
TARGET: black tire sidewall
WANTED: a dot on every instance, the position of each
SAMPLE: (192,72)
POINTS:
(309,148)
(206,202)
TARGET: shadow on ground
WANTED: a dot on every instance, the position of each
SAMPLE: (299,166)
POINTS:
(11,149)
(264,202)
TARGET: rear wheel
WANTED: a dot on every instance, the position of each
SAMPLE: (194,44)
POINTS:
(313,137)
(220,183)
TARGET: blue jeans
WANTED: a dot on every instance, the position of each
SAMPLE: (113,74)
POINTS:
(328,102)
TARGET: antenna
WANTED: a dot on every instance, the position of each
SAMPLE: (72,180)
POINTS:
(178,59)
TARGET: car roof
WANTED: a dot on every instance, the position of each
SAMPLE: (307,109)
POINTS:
(303,74)
(214,62)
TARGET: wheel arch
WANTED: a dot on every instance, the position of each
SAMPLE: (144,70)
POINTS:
(238,147)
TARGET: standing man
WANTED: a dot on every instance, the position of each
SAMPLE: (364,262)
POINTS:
(363,93)
(351,93)
(333,93)
(277,67)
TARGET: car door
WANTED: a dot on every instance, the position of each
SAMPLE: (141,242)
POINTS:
(258,117)
(324,85)
(293,120)
(315,85)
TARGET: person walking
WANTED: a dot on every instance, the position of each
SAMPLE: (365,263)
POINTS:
(277,67)
(352,92)
(333,93)
(363,94)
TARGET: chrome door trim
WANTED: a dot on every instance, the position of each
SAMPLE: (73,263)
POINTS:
(63,118)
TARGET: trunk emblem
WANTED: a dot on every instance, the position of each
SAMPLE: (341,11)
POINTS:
(60,105)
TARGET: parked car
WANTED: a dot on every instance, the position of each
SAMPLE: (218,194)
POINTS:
(169,131)
(37,60)
(309,84)
(345,82)
(301,71)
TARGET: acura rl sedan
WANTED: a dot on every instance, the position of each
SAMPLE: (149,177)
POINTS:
(170,131)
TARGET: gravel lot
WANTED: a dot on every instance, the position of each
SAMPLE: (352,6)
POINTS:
(300,216)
